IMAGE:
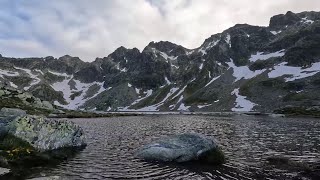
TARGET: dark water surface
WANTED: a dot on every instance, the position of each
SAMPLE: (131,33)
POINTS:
(246,140)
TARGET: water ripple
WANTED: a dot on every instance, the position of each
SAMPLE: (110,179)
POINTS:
(247,141)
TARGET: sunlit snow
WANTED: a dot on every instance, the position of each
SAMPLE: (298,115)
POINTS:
(78,101)
(265,56)
(243,71)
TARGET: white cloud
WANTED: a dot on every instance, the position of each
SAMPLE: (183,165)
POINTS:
(95,28)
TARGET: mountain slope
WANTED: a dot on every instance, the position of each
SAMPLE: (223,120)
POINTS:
(244,68)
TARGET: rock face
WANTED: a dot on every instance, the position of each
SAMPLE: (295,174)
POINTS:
(230,71)
(183,148)
(17,100)
(44,134)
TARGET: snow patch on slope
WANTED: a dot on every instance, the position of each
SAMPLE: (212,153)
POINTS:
(167,80)
(276,32)
(179,93)
(212,80)
(78,101)
(201,66)
(203,106)
(183,107)
(243,71)
(35,79)
(59,74)
(242,104)
(228,40)
(8,73)
(154,107)
(13,85)
(265,56)
(295,72)
(167,57)
(147,94)
(306,20)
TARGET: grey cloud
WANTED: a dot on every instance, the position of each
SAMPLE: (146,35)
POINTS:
(90,29)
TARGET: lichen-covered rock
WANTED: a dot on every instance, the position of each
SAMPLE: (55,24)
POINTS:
(12,112)
(45,134)
(183,148)
(4,171)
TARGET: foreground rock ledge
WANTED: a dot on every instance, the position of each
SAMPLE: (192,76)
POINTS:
(183,148)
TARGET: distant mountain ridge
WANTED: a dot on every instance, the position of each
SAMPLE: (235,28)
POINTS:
(244,68)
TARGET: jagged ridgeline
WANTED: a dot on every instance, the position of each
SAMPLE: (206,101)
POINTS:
(244,68)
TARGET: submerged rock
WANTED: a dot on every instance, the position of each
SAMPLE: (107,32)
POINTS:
(183,148)
(45,134)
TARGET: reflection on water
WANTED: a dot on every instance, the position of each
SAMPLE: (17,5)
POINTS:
(246,140)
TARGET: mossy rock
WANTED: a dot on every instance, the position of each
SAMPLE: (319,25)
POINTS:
(15,149)
(214,157)
(16,153)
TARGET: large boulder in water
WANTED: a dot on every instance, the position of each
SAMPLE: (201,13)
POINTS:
(183,148)
(46,134)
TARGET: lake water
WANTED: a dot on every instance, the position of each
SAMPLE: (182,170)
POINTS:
(246,140)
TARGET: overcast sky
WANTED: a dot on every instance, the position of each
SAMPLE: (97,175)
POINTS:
(95,28)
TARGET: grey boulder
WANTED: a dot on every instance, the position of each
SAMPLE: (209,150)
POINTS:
(46,134)
(12,112)
(183,148)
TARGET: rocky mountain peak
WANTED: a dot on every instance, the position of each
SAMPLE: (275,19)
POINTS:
(123,54)
(166,47)
(228,72)
(289,18)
